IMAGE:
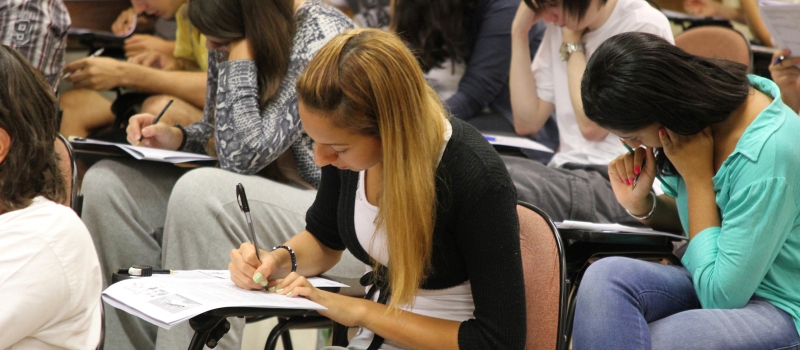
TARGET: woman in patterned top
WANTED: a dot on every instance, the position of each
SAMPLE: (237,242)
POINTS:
(250,121)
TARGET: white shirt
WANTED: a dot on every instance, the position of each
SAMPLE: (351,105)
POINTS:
(50,280)
(444,80)
(550,73)
(453,303)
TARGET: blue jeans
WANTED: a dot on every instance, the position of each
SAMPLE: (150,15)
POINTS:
(625,303)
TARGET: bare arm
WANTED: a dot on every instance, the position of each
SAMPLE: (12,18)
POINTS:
(530,112)
(188,86)
(750,9)
(576,66)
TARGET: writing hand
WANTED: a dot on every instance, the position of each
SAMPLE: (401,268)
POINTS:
(96,73)
(160,135)
(342,309)
(785,73)
(622,173)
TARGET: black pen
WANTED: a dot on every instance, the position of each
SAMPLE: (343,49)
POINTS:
(241,197)
(155,121)
(142,270)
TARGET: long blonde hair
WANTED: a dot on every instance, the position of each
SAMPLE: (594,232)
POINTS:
(367,81)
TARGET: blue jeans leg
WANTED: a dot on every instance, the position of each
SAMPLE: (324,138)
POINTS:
(631,304)
(758,325)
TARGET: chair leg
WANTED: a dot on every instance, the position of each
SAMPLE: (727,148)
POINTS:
(281,331)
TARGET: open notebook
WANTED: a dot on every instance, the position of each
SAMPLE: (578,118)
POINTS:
(166,300)
(138,152)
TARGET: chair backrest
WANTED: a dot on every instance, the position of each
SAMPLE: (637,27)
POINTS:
(543,264)
(69,169)
(716,42)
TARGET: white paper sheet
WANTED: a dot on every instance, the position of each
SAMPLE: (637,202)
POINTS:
(147,153)
(168,299)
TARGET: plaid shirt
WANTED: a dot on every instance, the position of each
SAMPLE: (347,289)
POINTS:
(37,29)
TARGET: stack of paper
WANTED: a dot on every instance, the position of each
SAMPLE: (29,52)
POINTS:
(138,152)
(166,300)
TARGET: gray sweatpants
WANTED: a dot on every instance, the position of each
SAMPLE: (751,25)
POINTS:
(572,192)
(126,201)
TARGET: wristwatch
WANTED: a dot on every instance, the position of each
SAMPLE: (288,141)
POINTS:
(568,48)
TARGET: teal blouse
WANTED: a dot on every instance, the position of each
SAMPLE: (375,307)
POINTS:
(756,251)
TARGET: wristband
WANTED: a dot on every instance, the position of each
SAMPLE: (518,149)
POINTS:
(291,253)
(652,210)
(183,132)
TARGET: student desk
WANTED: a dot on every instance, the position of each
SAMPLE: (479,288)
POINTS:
(581,247)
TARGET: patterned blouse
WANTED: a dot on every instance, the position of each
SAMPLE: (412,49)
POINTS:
(247,137)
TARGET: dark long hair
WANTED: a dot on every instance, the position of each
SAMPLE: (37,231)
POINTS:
(434,30)
(269,25)
(27,114)
(574,8)
(634,80)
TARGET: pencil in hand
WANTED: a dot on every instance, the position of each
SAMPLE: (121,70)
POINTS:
(155,121)
(94,54)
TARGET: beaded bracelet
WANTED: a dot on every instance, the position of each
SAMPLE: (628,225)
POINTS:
(291,253)
(652,210)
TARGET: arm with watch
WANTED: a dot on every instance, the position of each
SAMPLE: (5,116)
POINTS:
(573,52)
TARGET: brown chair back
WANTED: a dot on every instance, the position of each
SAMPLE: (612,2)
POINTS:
(68,166)
(716,42)
(545,278)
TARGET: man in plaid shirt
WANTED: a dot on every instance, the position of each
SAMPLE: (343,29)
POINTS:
(38,31)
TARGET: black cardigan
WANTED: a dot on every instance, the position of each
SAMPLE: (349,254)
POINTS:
(476,235)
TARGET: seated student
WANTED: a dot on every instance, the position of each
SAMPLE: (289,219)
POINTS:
(421,199)
(163,41)
(48,266)
(463,47)
(250,122)
(787,76)
(746,13)
(575,184)
(38,31)
(726,146)
(180,76)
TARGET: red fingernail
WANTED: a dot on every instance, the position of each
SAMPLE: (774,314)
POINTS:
(661,132)
(627,181)
(621,180)
(636,170)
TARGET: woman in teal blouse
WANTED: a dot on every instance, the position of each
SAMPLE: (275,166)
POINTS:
(726,146)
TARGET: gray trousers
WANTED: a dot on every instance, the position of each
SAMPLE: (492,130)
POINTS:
(127,201)
(572,192)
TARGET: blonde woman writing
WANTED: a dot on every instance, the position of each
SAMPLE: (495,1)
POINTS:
(423,200)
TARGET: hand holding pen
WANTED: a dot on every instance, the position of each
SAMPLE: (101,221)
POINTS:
(94,54)
(144,129)
(155,121)
(635,167)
